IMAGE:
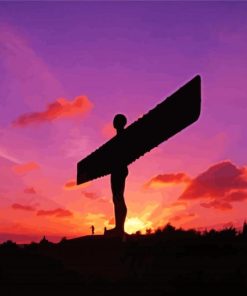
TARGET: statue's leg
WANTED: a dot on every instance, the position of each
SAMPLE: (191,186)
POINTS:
(120,209)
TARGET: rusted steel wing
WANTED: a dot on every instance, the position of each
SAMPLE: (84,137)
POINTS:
(168,118)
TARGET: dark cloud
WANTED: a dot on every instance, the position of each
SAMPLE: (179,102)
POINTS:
(17,206)
(60,213)
(223,206)
(220,184)
(236,196)
(90,195)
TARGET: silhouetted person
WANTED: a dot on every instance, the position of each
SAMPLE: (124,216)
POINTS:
(92,228)
(118,176)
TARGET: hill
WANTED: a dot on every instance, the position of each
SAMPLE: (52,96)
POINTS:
(169,262)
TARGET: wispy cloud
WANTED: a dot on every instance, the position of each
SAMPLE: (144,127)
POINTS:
(162,213)
(25,167)
(7,156)
(34,80)
(182,217)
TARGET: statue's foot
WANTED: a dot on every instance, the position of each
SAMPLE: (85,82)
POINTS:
(115,233)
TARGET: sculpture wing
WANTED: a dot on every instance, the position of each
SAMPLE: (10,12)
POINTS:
(168,118)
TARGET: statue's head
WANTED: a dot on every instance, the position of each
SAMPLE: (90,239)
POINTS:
(119,122)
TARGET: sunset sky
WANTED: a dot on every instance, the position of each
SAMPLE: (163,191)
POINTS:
(67,68)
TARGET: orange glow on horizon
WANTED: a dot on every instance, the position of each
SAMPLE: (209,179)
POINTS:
(134,224)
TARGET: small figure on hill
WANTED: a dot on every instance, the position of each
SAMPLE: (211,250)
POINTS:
(92,229)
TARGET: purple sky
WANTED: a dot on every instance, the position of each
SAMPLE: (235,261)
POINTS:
(125,57)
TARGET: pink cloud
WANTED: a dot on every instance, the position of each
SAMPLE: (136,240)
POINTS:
(71,185)
(61,108)
(60,213)
(25,167)
(17,206)
(30,190)
(167,179)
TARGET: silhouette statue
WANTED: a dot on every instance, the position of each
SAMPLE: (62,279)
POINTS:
(168,118)
(118,176)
